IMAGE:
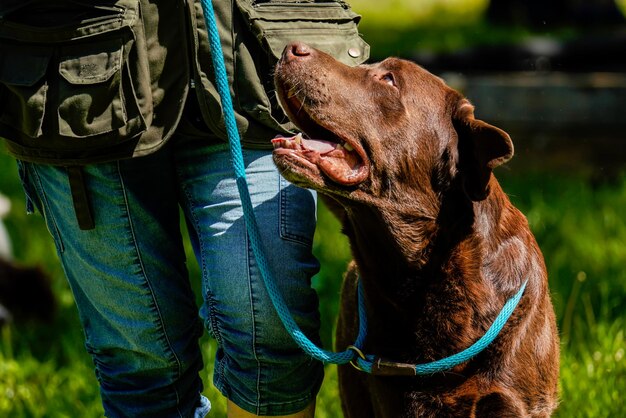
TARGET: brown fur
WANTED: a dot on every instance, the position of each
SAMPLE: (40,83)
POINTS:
(438,246)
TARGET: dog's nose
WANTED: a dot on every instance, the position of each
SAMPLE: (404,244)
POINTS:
(297,51)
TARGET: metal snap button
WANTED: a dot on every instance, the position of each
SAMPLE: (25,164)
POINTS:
(354,52)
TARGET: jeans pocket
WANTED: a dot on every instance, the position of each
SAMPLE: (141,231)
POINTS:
(298,213)
(28,191)
(35,198)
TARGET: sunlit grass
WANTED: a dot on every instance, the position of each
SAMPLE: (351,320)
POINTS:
(407,28)
(593,373)
(622,6)
(402,13)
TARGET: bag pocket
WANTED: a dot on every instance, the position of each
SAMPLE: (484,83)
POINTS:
(90,99)
(269,26)
(23,90)
(330,26)
(72,70)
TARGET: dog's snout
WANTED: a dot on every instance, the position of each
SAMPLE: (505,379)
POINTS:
(297,51)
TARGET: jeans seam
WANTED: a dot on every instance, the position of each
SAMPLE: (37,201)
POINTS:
(254,331)
(47,213)
(213,323)
(210,300)
(161,324)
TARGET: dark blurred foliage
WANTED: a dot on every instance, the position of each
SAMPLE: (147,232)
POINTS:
(554,13)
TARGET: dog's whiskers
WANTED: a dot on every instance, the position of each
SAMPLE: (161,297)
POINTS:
(302,104)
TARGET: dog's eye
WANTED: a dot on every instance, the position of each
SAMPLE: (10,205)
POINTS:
(389,79)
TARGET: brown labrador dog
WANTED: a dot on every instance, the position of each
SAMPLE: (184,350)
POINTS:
(439,248)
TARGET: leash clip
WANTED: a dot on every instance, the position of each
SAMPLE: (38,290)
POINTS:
(360,354)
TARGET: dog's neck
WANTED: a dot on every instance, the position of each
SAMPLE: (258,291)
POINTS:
(404,257)
(394,243)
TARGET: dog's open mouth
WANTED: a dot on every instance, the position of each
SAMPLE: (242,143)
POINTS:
(342,160)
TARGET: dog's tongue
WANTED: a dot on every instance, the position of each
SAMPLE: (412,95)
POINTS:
(298,142)
(340,165)
(318,145)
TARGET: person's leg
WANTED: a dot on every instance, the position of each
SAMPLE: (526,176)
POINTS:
(259,367)
(235,412)
(130,283)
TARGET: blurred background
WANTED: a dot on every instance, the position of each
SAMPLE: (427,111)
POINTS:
(550,73)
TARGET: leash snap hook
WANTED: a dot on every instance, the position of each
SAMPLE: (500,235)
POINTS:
(359,354)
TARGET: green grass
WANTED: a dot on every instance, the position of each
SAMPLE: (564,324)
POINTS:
(582,232)
(45,372)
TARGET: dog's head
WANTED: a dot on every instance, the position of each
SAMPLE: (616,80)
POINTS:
(373,130)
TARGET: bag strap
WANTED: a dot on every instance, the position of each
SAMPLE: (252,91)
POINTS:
(80,198)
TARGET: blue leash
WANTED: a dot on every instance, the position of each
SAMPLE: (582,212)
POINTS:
(353,353)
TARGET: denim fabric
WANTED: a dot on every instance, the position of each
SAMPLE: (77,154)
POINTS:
(131,286)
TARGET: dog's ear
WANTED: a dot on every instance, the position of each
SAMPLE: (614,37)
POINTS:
(481,148)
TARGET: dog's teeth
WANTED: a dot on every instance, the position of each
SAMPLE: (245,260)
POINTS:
(278,142)
(348,147)
(298,139)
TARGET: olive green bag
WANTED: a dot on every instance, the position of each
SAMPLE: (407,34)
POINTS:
(261,30)
(77,82)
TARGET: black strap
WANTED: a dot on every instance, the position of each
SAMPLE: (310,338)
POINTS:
(82,207)
(382,367)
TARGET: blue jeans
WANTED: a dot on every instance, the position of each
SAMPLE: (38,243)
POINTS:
(130,281)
